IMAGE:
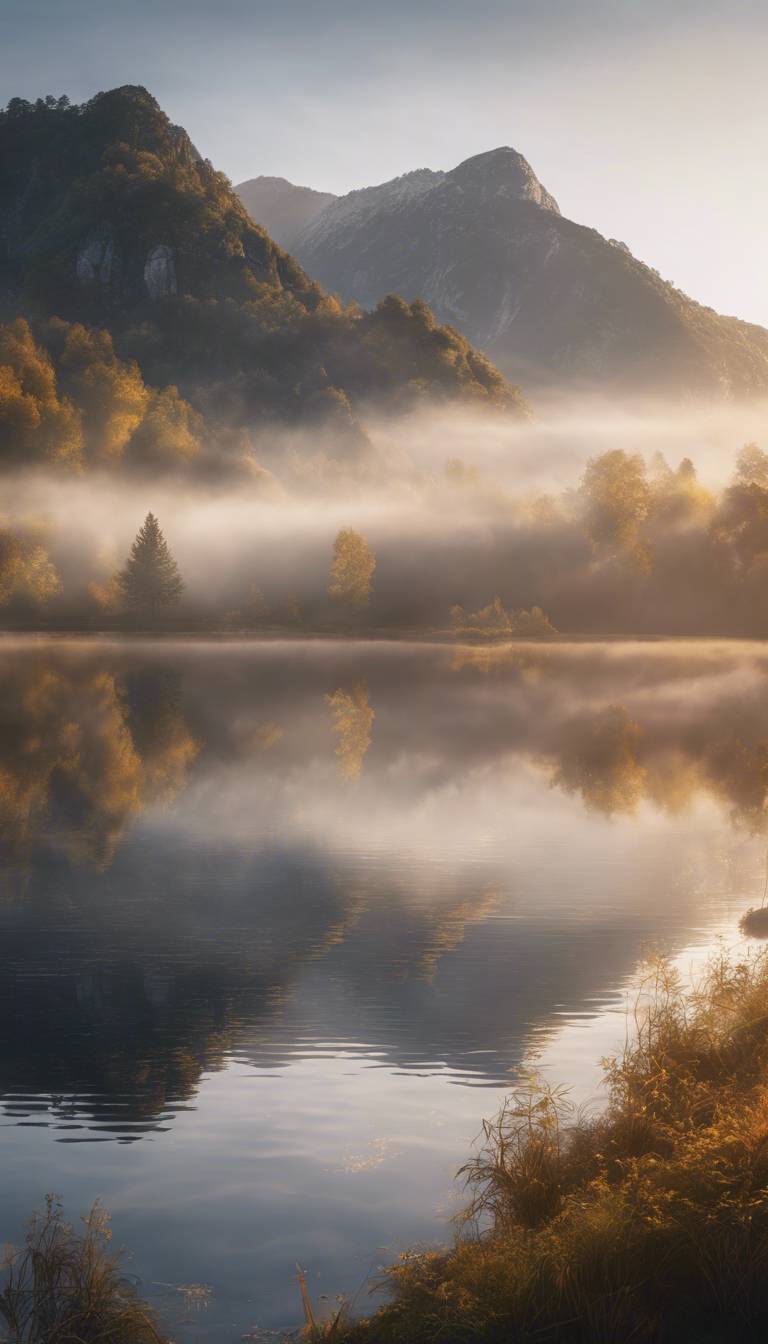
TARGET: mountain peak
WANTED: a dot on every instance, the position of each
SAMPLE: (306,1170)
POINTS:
(502,172)
(280,206)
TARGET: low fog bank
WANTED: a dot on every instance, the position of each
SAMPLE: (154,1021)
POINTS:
(550,450)
(612,517)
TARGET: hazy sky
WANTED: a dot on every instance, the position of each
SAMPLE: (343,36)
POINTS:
(647,119)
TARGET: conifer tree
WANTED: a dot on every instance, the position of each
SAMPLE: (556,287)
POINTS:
(150,579)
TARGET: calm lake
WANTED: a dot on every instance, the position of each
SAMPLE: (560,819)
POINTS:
(281,921)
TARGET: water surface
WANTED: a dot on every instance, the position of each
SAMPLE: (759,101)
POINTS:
(280,922)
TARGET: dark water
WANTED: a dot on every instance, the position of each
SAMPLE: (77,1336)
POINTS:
(280,922)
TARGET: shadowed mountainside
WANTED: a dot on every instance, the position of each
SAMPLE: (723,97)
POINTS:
(141,273)
(549,300)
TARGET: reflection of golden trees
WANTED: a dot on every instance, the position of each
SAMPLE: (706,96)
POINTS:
(614,756)
(502,658)
(614,765)
(738,773)
(448,929)
(74,768)
(599,760)
(352,721)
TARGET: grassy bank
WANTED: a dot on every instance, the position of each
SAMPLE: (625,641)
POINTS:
(648,1223)
(65,1286)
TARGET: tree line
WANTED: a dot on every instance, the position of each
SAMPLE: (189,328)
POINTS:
(150,581)
(638,548)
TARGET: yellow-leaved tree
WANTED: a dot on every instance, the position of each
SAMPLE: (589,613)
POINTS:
(352,569)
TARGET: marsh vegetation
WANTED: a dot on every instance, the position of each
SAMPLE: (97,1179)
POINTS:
(648,1222)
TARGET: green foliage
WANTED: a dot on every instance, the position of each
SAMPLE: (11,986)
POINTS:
(150,579)
(648,1223)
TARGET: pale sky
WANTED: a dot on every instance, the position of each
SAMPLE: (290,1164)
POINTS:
(647,119)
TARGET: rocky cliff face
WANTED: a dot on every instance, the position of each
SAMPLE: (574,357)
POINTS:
(109,206)
(160,273)
(548,300)
(109,219)
(280,207)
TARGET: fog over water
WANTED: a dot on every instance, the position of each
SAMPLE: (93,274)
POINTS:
(281,920)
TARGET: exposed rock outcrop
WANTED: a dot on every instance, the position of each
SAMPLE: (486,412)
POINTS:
(160,273)
(97,261)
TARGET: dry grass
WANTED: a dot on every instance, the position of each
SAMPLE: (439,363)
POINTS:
(64,1287)
(648,1224)
(321,1326)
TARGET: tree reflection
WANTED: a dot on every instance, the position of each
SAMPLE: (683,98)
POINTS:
(133,958)
(81,754)
(599,760)
(352,722)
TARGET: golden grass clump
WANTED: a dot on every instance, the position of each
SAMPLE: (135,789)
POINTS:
(646,1224)
(64,1287)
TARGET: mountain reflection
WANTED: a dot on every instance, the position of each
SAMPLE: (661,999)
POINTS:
(189,877)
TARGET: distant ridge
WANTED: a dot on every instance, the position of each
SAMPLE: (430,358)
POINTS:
(548,300)
(280,207)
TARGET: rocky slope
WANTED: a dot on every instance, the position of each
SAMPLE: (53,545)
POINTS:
(139,269)
(105,206)
(280,207)
(548,300)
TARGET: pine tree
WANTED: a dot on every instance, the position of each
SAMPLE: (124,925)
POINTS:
(150,579)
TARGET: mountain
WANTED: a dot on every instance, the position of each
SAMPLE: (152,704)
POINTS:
(549,300)
(280,207)
(148,318)
(108,206)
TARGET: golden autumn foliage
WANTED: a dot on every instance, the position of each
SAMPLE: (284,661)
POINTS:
(67,1287)
(37,424)
(616,503)
(67,398)
(26,570)
(352,722)
(648,1221)
(351,569)
(495,621)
